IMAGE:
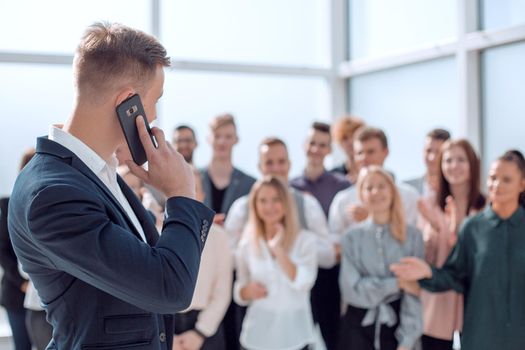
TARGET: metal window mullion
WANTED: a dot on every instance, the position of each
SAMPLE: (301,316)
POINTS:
(190,65)
(487,39)
(156,32)
(338,39)
(468,74)
(155,19)
(35,58)
(472,41)
(371,65)
(338,85)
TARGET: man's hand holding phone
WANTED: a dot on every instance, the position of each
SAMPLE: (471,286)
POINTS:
(167,170)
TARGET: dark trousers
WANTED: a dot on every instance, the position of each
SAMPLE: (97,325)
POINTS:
(186,322)
(325,298)
(17,321)
(305,348)
(40,331)
(431,343)
(355,336)
(232,323)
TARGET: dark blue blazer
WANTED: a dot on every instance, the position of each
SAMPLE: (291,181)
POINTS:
(101,285)
(240,185)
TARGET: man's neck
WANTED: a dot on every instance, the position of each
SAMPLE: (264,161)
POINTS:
(220,167)
(312,172)
(95,130)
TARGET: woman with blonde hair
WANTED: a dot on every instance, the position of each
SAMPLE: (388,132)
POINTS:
(276,269)
(382,312)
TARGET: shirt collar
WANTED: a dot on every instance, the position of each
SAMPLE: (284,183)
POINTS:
(81,150)
(516,219)
(319,179)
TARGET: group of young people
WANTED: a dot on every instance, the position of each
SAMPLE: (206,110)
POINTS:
(369,260)
(355,236)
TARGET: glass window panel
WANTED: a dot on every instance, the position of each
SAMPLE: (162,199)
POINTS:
(55,26)
(292,32)
(36,96)
(407,103)
(378,27)
(503,103)
(502,13)
(262,105)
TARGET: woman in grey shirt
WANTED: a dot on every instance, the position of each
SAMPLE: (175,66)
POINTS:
(383,313)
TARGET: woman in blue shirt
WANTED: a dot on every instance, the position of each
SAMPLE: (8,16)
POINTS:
(380,315)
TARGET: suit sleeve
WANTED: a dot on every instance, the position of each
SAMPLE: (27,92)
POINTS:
(73,228)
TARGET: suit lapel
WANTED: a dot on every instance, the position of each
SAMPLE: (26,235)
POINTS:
(231,190)
(44,145)
(78,164)
(206,187)
(150,231)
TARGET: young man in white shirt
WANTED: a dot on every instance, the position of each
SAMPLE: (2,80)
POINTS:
(346,211)
(274,160)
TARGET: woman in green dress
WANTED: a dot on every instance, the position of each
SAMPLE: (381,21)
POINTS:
(487,264)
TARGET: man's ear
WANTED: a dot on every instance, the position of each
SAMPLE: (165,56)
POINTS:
(123,95)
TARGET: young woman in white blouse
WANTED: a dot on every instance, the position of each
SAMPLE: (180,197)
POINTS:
(276,268)
(382,312)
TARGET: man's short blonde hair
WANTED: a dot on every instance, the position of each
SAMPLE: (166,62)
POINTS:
(112,54)
(222,120)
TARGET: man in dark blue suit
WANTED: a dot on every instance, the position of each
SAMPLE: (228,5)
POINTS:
(105,277)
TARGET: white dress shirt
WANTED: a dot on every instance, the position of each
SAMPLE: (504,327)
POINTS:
(283,319)
(315,222)
(31,299)
(106,172)
(340,221)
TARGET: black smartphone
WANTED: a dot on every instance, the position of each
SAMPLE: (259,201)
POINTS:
(127,113)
